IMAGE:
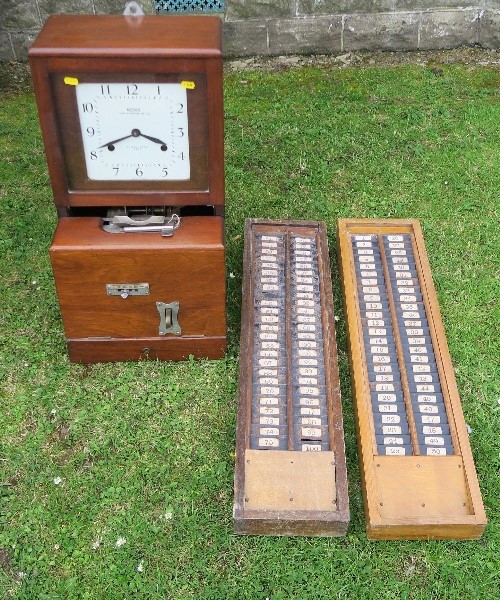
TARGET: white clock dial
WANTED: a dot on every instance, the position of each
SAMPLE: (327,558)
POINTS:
(134,131)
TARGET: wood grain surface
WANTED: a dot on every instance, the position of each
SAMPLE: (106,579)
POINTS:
(418,496)
(188,268)
(289,492)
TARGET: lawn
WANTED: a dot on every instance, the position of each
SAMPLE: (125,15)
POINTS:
(117,479)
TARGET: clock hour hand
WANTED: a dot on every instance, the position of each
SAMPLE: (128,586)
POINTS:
(163,146)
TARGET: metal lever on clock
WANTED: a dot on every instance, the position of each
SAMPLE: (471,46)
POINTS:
(124,220)
(166,229)
(154,223)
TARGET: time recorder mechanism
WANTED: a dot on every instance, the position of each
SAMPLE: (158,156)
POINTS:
(132,121)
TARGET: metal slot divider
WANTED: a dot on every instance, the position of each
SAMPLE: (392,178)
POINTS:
(399,350)
(389,410)
(269,379)
(424,388)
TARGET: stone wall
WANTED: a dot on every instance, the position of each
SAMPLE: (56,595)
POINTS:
(274,27)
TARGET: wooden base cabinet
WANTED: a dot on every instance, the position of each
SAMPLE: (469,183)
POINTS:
(128,296)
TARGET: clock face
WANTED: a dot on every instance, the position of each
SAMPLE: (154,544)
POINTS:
(134,131)
(142,133)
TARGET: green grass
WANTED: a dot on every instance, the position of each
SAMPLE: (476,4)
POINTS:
(145,451)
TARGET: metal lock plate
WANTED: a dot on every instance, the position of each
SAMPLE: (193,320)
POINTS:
(168,318)
(127,289)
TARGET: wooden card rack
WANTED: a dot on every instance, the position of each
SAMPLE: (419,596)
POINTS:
(418,474)
(290,459)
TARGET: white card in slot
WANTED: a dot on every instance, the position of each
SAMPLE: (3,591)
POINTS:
(308,372)
(308,391)
(268,362)
(309,401)
(268,442)
(268,401)
(269,421)
(308,362)
(308,381)
(268,336)
(307,410)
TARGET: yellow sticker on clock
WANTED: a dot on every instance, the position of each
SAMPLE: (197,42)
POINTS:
(71,81)
(188,85)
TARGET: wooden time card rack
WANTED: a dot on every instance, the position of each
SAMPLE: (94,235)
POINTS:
(290,461)
(132,121)
(418,474)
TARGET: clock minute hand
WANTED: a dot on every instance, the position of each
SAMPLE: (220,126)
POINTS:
(111,145)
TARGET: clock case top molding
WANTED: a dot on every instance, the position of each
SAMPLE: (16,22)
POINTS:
(117,49)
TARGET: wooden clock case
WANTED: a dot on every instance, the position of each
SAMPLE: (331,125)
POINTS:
(127,296)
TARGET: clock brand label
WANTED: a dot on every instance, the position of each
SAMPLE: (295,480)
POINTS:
(134,131)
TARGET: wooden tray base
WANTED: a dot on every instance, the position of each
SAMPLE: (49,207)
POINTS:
(417,471)
(290,461)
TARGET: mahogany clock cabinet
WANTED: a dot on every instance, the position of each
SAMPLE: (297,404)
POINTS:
(132,121)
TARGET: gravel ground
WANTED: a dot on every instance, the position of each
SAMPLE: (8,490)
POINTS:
(433,58)
(15,76)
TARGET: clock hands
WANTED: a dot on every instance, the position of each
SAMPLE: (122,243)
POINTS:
(135,133)
(163,146)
